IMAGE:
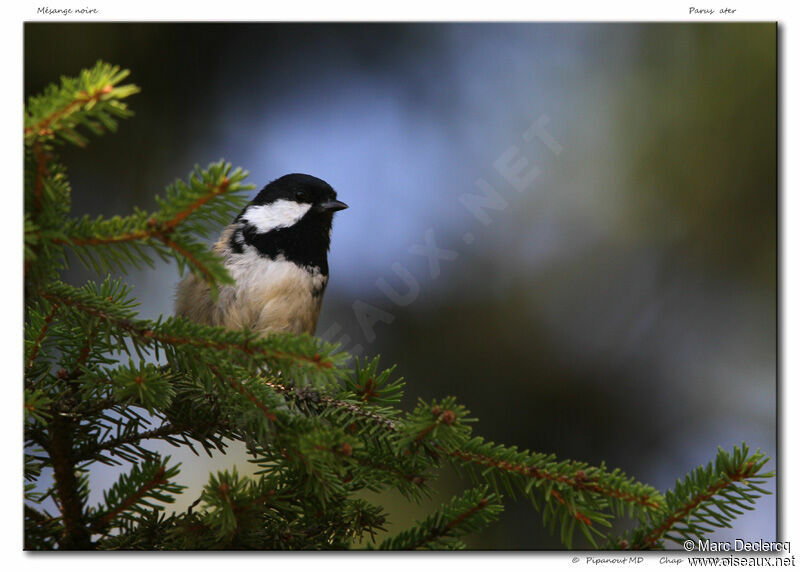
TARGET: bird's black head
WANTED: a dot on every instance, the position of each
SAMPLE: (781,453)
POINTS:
(290,217)
(303,190)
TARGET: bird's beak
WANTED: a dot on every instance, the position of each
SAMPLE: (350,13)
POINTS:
(330,206)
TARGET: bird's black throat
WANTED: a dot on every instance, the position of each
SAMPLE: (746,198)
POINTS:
(306,243)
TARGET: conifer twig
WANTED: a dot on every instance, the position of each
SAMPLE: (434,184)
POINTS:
(162,431)
(335,403)
(41,173)
(574,481)
(414,479)
(157,479)
(37,344)
(578,481)
(145,332)
(44,127)
(681,513)
(253,399)
(39,517)
(204,270)
(159,231)
(467,513)
(444,530)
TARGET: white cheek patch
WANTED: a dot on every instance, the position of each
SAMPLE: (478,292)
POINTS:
(278,214)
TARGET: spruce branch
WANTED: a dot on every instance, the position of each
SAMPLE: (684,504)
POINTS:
(92,100)
(38,405)
(474,510)
(278,351)
(134,492)
(50,188)
(41,529)
(709,497)
(228,497)
(415,480)
(189,210)
(133,438)
(373,386)
(41,173)
(42,325)
(573,493)
(352,410)
(240,388)
(578,479)
(203,426)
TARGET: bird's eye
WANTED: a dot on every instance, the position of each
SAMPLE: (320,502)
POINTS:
(301,196)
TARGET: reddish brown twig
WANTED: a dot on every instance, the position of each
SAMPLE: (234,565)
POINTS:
(679,515)
(153,482)
(465,515)
(163,431)
(453,523)
(44,127)
(37,343)
(156,230)
(209,277)
(146,333)
(241,389)
(579,481)
(41,173)
(535,472)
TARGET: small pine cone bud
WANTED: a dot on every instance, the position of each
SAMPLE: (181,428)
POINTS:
(448,417)
(346,449)
(580,476)
(436,411)
(624,544)
(62,373)
(418,480)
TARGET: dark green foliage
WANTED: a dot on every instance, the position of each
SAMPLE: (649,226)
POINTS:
(319,433)
(92,101)
(709,498)
(471,512)
(151,481)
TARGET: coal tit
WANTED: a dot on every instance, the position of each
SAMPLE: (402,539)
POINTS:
(277,252)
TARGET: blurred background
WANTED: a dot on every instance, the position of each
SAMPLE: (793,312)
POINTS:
(617,303)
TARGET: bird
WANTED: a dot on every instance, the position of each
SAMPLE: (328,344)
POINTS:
(276,251)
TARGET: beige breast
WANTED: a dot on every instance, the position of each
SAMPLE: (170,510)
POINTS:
(268,296)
